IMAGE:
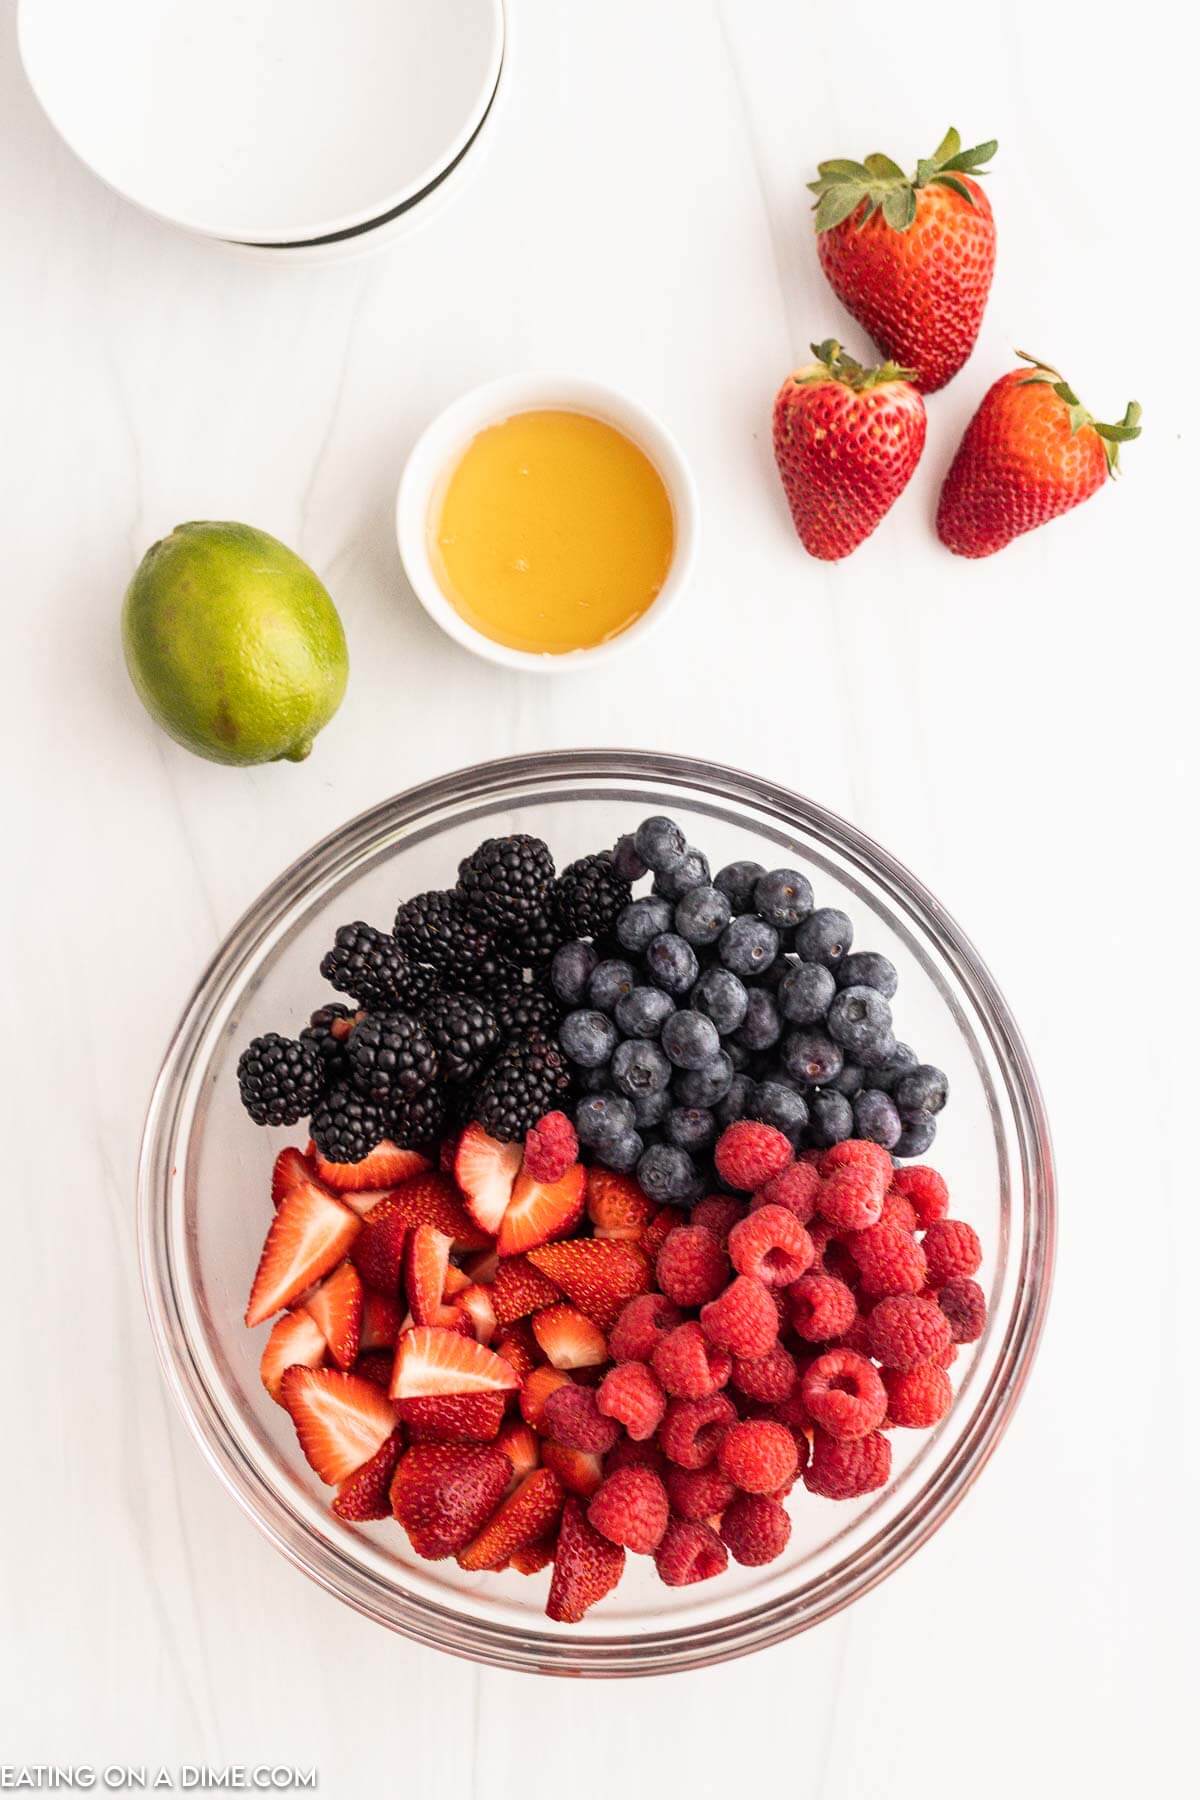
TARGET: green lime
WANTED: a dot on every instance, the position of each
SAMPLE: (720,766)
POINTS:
(233,644)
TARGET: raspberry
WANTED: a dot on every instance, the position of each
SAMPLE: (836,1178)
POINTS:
(771,1377)
(844,1394)
(756,1529)
(843,1468)
(641,1323)
(625,1454)
(718,1213)
(743,1319)
(748,1154)
(687,1364)
(925,1188)
(690,1551)
(793,1413)
(898,1210)
(907,1329)
(630,1508)
(772,1245)
(550,1148)
(860,1155)
(758,1455)
(889,1261)
(857,1337)
(952,1250)
(691,1266)
(699,1493)
(822,1307)
(630,1394)
(794,1187)
(855,1177)
(571,1416)
(692,1429)
(917,1397)
(963,1304)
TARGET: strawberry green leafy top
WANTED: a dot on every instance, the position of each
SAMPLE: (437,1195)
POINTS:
(842,185)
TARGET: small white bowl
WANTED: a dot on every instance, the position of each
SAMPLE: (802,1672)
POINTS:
(444,441)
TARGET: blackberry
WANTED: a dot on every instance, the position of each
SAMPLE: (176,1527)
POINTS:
(391,1056)
(527,1080)
(345,1127)
(588,896)
(418,1119)
(532,945)
(464,1033)
(523,1010)
(280,1079)
(328,1029)
(506,882)
(783,898)
(571,970)
(436,928)
(371,967)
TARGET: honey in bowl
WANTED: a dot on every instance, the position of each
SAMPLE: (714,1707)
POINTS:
(553,532)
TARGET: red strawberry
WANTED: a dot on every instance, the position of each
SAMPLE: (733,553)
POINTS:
(541,1210)
(519,1348)
(378,1252)
(432,1360)
(911,259)
(453,1418)
(520,1445)
(531,1559)
(528,1514)
(1030,453)
(586,1567)
(433,1199)
(292,1170)
(383,1167)
(616,1204)
(309,1235)
(443,1494)
(365,1494)
(476,1302)
(568,1338)
(337,1307)
(485,1170)
(375,1366)
(847,440)
(296,1338)
(580,1471)
(482,1266)
(519,1289)
(341,1420)
(598,1274)
(380,1322)
(425,1263)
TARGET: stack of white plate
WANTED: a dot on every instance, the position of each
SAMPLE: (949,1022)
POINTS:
(298,129)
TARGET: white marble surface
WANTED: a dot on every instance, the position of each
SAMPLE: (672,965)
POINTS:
(1021,732)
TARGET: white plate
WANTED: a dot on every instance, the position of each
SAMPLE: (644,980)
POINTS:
(265,121)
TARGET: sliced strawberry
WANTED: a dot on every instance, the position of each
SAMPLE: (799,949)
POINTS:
(432,1360)
(531,1559)
(518,1346)
(580,1471)
(482,1266)
(456,1282)
(661,1225)
(362,1200)
(528,1514)
(337,1307)
(384,1167)
(433,1199)
(541,1210)
(519,1289)
(295,1339)
(616,1204)
(586,1567)
(485,1170)
(536,1388)
(598,1274)
(569,1338)
(443,1494)
(341,1420)
(365,1495)
(425,1263)
(380,1322)
(476,1302)
(378,1252)
(292,1170)
(309,1235)
(375,1366)
(453,1418)
(448,1316)
(519,1443)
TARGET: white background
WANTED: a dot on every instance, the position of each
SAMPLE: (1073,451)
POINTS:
(1019,731)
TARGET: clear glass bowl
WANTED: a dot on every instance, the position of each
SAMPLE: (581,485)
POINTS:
(204,1205)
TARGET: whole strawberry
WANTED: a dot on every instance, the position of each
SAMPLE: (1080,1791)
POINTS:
(847,439)
(1030,453)
(911,257)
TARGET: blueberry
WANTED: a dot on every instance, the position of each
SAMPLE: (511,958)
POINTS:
(915,1138)
(660,843)
(704,1087)
(811,1058)
(601,1119)
(690,1128)
(920,1093)
(866,968)
(860,1020)
(805,993)
(733,1103)
(850,1080)
(690,1040)
(720,995)
(625,1153)
(748,945)
(737,881)
(642,920)
(672,962)
(825,936)
(594,1081)
(774,1104)
(588,1037)
(738,1055)
(877,1055)
(692,872)
(626,861)
(762,1025)
(783,898)
(876,1118)
(830,1119)
(702,915)
(642,1012)
(651,1109)
(639,1067)
(609,980)
(666,1173)
(571,970)
(885,1077)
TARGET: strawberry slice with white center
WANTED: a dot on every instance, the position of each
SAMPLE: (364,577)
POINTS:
(309,1236)
(294,1339)
(541,1210)
(386,1166)
(432,1360)
(485,1170)
(341,1420)
(292,1170)
(366,1494)
(568,1338)
(337,1307)
(380,1323)
(476,1302)
(426,1261)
